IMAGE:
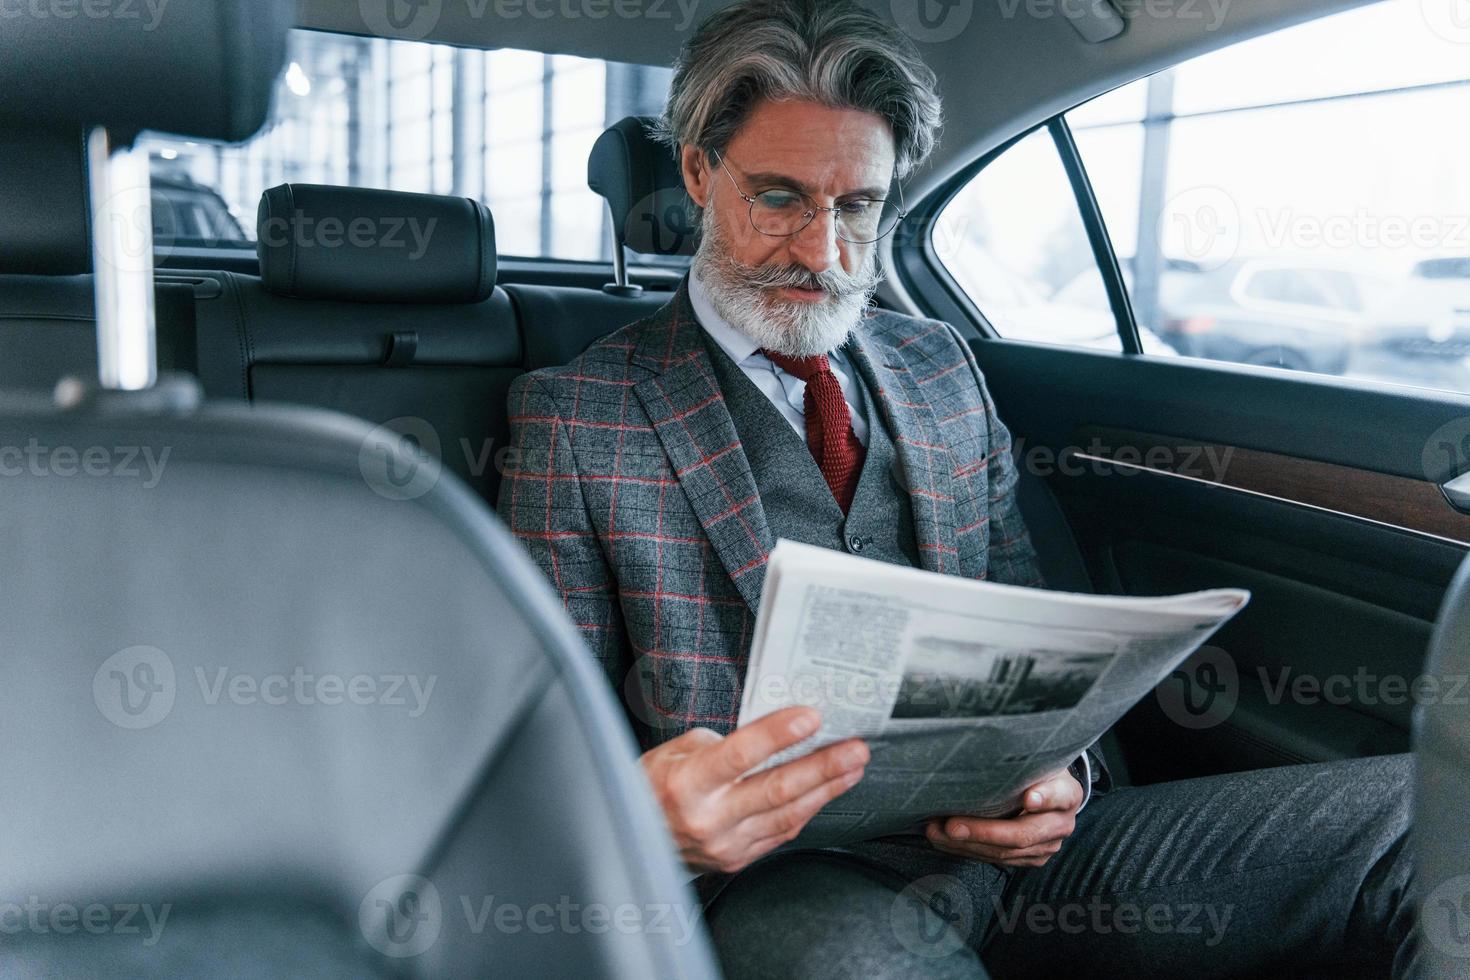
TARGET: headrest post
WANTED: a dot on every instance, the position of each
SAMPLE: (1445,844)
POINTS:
(620,285)
(122,261)
(620,263)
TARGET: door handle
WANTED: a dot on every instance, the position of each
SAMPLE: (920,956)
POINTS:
(1457,492)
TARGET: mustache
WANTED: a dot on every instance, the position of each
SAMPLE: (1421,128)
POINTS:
(835,282)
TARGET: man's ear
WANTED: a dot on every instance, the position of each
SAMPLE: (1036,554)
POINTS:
(695,166)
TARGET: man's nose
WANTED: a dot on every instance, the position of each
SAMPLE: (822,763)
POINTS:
(816,246)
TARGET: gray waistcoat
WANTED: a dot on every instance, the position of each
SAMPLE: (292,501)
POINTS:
(798,504)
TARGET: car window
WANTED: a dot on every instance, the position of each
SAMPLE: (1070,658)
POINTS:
(1014,242)
(510,128)
(1290,201)
(1294,287)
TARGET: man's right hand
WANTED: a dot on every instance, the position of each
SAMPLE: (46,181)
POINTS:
(722,822)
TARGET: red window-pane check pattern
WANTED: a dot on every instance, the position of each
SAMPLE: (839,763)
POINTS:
(627,485)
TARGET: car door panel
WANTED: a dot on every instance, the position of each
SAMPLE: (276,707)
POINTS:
(1321,498)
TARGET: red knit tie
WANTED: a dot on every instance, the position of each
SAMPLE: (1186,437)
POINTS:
(829,432)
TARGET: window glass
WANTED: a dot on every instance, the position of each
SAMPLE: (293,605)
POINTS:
(1123,104)
(1301,200)
(1014,241)
(511,128)
(1388,45)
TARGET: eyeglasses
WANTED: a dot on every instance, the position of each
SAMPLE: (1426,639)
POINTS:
(781,212)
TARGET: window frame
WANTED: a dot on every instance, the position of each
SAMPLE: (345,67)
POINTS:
(918,265)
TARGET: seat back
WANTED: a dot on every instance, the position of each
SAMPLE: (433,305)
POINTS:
(48,316)
(560,322)
(283,697)
(250,669)
(378,304)
(1442,752)
(384,305)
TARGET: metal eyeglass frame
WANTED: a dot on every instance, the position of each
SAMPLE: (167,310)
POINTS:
(813,209)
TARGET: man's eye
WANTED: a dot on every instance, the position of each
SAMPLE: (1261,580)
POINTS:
(779,200)
(858,209)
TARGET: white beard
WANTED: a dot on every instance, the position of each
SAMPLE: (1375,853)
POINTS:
(745,297)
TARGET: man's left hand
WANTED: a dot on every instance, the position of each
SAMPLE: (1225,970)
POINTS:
(1025,841)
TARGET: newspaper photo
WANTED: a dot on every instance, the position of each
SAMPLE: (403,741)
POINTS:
(966,691)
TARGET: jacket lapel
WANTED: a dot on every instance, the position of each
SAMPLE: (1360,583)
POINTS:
(927,463)
(687,410)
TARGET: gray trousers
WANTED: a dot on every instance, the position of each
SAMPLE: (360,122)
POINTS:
(1287,872)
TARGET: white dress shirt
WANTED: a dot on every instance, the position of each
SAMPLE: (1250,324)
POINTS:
(787,392)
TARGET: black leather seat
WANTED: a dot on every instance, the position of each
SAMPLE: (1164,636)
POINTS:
(1442,751)
(560,322)
(644,188)
(397,322)
(285,823)
(650,216)
(404,326)
(270,715)
(48,320)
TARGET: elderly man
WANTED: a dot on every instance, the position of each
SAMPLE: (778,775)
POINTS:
(767,400)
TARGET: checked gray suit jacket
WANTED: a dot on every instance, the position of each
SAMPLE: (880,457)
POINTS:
(631,490)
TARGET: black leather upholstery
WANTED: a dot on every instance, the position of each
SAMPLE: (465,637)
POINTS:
(644,188)
(48,317)
(1056,546)
(43,202)
(436,368)
(433,368)
(200,69)
(1442,750)
(560,323)
(325,331)
(482,754)
(48,330)
(373,246)
(446,367)
(421,738)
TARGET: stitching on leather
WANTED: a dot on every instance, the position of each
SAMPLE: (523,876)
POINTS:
(47,316)
(483,213)
(241,337)
(290,242)
(86,195)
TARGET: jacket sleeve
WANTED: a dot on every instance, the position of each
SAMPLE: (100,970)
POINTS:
(542,502)
(1012,556)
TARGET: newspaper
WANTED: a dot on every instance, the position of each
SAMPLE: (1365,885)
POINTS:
(966,692)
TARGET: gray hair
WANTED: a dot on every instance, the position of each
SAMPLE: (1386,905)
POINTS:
(834,53)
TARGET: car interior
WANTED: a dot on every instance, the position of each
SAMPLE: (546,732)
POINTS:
(299,394)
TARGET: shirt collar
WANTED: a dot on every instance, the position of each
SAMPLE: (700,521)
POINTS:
(736,345)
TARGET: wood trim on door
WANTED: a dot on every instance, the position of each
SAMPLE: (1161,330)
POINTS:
(1409,504)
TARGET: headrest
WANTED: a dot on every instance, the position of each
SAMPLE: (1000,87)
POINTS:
(651,212)
(349,243)
(202,68)
(43,203)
